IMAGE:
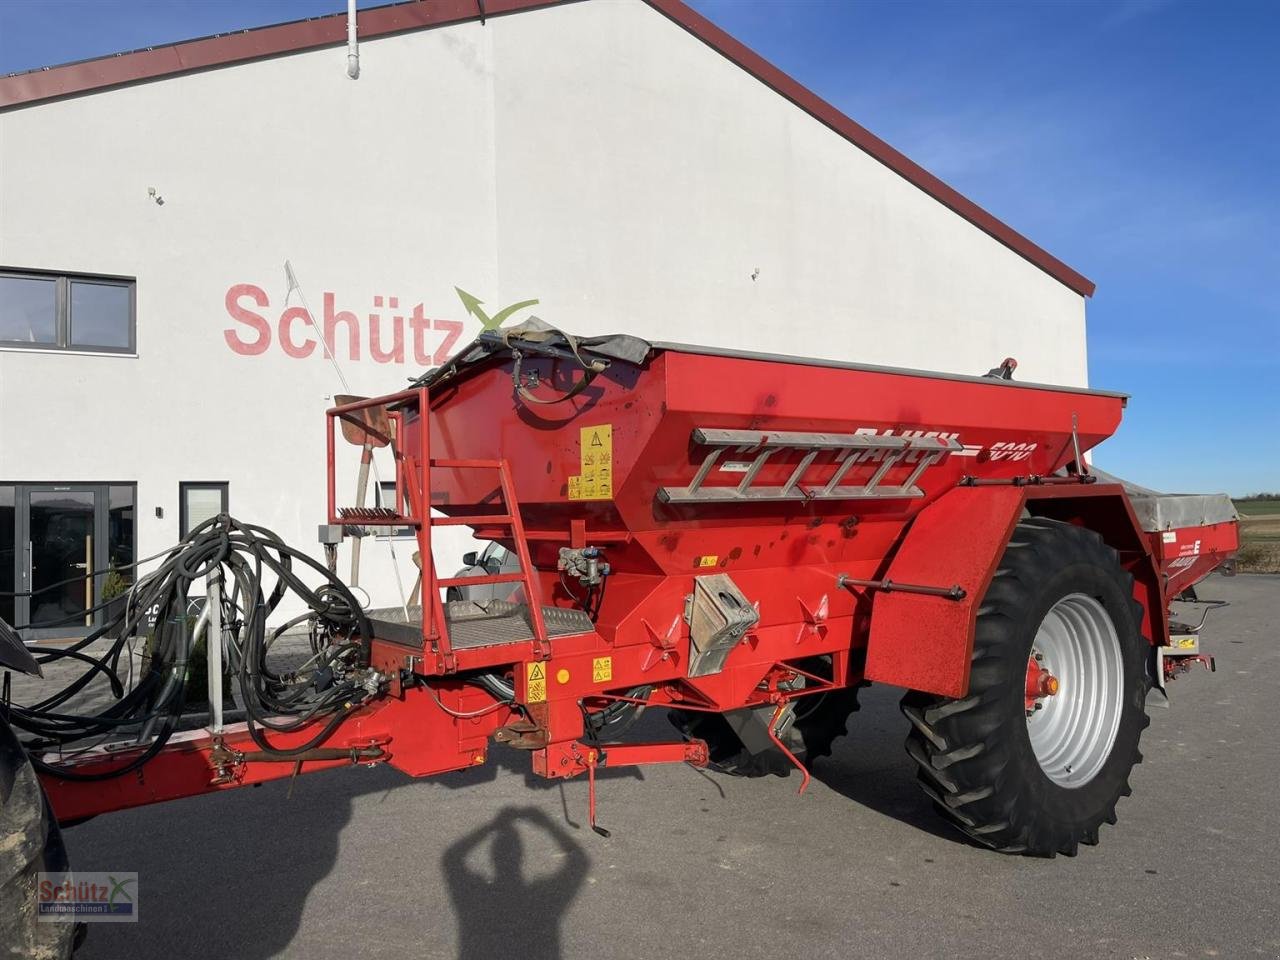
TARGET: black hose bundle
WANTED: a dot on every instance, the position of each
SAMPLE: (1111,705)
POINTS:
(257,570)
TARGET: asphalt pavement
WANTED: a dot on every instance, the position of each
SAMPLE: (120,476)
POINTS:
(493,862)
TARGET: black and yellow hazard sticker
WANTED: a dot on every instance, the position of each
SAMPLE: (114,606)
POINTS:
(595,479)
(535,682)
(602,669)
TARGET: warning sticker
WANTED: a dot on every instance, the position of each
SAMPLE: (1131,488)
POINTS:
(602,669)
(535,682)
(708,561)
(595,482)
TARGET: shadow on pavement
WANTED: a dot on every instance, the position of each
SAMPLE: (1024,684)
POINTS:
(229,876)
(220,876)
(506,907)
(871,767)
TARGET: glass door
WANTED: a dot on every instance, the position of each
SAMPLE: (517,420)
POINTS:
(10,554)
(62,550)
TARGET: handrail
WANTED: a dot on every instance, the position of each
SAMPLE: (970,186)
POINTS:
(413,489)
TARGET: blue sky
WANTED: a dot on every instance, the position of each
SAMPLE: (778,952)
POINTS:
(1139,141)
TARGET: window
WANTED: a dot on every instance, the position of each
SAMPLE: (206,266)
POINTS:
(29,310)
(495,557)
(120,528)
(198,502)
(52,311)
(387,498)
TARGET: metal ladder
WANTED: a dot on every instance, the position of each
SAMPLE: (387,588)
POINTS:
(845,450)
(512,521)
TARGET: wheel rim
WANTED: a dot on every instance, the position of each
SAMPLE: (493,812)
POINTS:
(1073,729)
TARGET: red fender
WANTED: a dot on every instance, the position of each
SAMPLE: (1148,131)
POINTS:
(926,642)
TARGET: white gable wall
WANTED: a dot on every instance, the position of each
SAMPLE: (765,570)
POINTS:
(666,175)
(593,156)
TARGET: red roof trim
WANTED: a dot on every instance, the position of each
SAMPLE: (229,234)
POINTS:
(104,72)
(254,44)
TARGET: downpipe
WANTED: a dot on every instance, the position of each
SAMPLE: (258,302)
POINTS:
(353,50)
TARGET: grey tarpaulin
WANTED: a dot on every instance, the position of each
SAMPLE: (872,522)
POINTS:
(1167,511)
(537,336)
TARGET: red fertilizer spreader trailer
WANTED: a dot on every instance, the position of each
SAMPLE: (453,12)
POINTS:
(745,540)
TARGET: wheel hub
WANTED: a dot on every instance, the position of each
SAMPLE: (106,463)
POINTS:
(1040,683)
(1074,690)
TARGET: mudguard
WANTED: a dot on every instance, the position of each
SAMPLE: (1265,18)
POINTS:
(925,642)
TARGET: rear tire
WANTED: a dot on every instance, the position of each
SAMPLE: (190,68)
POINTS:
(820,720)
(1041,781)
(30,842)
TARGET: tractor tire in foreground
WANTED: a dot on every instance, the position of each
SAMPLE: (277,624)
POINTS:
(30,842)
(1034,758)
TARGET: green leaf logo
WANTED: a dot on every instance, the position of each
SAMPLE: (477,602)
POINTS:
(117,887)
(472,306)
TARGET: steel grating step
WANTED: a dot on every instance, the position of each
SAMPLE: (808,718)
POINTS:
(475,624)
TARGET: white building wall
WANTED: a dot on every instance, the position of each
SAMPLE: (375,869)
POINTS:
(594,156)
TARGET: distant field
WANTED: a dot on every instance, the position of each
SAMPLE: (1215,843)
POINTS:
(1258,508)
(1259,536)
(1259,519)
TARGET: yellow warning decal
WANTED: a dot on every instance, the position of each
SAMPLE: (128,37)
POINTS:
(708,561)
(595,482)
(602,669)
(535,683)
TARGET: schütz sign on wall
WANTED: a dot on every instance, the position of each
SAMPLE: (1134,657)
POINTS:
(387,334)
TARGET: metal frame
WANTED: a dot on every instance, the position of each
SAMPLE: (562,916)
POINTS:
(396,533)
(62,311)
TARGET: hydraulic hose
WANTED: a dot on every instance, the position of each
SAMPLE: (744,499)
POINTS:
(259,570)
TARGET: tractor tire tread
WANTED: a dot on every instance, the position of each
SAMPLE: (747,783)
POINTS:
(966,763)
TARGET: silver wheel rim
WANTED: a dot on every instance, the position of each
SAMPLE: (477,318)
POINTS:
(1072,731)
